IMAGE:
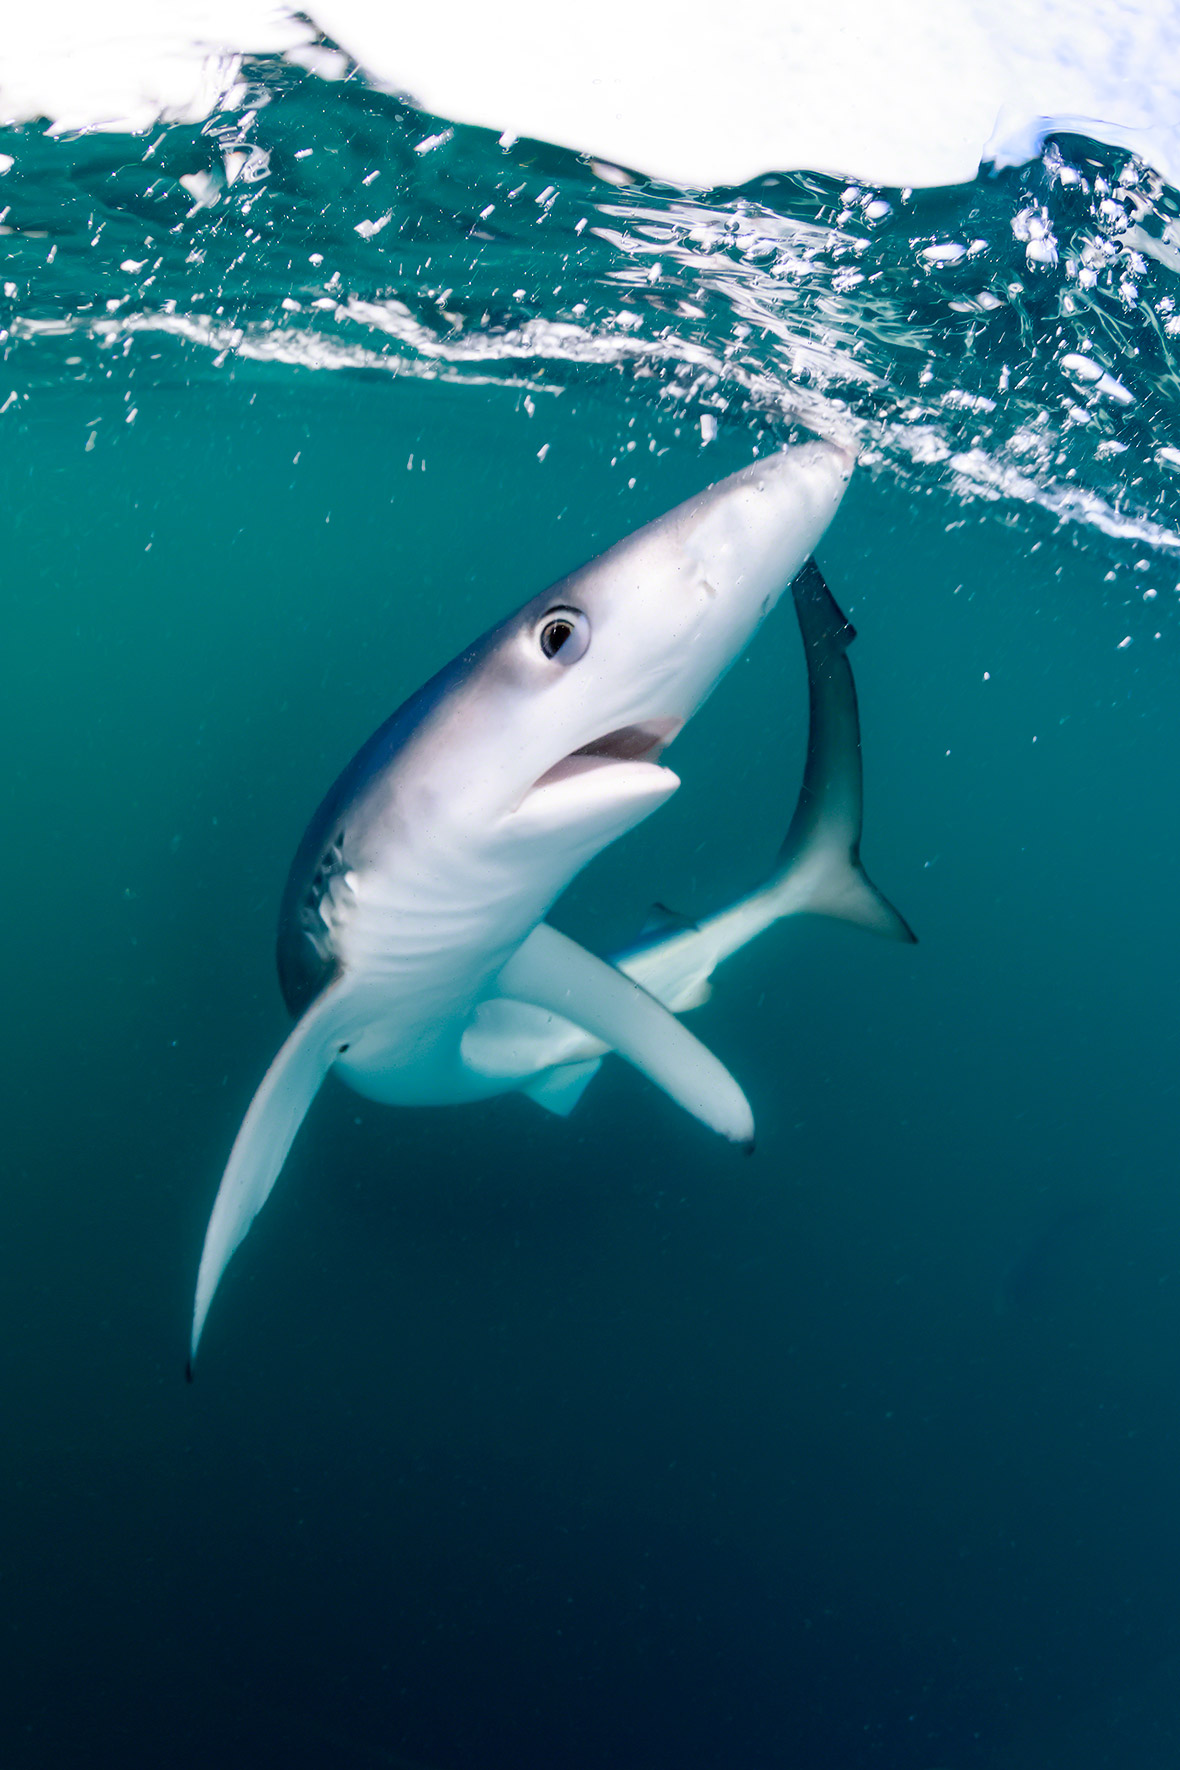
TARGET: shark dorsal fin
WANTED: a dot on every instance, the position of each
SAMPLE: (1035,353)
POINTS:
(661,920)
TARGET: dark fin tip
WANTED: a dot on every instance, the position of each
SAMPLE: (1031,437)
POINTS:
(188,1370)
(905,932)
(749,1146)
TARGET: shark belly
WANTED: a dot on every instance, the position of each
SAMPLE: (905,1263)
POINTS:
(418,956)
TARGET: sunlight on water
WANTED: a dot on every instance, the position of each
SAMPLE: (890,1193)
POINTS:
(1015,337)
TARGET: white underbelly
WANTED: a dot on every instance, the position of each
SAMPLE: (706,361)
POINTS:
(418,962)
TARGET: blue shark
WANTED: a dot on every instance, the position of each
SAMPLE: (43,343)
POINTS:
(413,946)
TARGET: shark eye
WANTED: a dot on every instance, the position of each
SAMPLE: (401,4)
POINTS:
(565,634)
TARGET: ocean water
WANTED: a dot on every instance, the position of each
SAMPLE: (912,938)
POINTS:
(528,1443)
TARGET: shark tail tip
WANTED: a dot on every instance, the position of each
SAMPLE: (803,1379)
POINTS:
(189,1372)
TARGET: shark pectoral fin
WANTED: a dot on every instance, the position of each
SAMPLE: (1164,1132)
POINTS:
(559,1090)
(554,972)
(260,1148)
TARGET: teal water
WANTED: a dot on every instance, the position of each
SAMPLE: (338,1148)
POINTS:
(528,1443)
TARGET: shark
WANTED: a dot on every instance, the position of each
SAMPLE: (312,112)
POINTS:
(414,951)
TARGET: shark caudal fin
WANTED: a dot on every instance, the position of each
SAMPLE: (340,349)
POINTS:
(260,1148)
(819,867)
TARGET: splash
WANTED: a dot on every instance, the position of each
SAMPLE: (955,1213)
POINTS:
(1014,338)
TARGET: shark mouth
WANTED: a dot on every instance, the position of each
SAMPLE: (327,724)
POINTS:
(630,743)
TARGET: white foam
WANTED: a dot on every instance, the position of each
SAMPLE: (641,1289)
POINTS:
(894,92)
(122,65)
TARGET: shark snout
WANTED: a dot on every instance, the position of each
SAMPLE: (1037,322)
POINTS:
(770,516)
(805,483)
(717,565)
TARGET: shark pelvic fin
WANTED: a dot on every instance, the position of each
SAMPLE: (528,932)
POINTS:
(554,972)
(559,1090)
(819,867)
(267,1132)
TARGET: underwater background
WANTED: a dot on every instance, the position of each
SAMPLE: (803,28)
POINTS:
(521,1442)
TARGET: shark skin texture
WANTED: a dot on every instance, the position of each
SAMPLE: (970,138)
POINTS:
(417,898)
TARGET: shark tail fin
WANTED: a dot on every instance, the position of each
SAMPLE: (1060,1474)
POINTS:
(267,1133)
(842,889)
(819,867)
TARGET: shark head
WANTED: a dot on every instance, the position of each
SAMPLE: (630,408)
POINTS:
(541,743)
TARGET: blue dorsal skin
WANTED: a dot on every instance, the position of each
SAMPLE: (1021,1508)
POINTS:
(818,872)
(419,892)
